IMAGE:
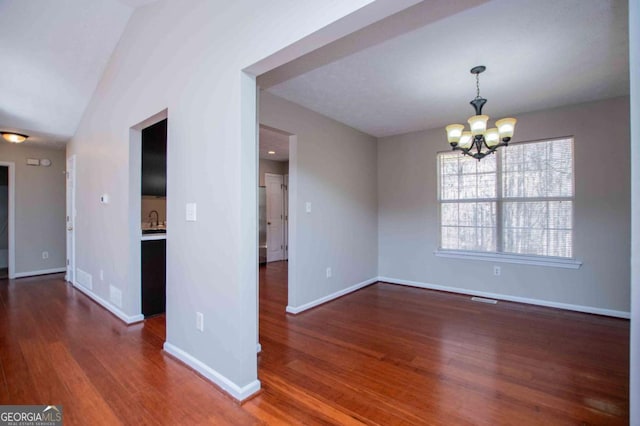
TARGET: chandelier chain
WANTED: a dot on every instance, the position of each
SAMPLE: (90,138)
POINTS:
(478,86)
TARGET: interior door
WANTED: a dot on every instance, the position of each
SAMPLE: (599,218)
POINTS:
(275,216)
(71,218)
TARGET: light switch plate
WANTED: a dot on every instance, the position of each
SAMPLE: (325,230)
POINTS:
(308,207)
(191,212)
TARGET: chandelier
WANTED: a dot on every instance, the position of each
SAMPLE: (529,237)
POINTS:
(480,141)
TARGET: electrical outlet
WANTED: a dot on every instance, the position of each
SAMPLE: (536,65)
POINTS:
(45,254)
(329,272)
(497,271)
(199,321)
(101,275)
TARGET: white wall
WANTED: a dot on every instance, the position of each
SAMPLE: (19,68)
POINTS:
(40,208)
(334,168)
(187,57)
(408,212)
(634,73)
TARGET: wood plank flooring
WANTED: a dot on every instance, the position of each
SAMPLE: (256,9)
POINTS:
(384,355)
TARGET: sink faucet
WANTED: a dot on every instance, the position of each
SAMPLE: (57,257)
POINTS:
(157,217)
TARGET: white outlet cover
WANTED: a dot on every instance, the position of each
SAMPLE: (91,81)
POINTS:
(191,212)
(308,207)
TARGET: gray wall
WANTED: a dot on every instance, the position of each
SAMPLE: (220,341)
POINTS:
(634,73)
(408,212)
(40,207)
(161,63)
(334,167)
(271,166)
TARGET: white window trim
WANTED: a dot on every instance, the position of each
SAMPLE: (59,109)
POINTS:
(553,262)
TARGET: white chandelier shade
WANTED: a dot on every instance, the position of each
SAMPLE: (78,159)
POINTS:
(478,141)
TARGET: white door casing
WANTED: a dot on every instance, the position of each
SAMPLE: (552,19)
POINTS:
(71,218)
(286,217)
(275,216)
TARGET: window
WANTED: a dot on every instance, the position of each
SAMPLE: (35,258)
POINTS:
(518,201)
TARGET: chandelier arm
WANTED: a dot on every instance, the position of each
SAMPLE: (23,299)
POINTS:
(479,154)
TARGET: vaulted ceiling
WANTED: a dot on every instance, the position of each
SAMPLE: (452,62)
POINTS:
(54,53)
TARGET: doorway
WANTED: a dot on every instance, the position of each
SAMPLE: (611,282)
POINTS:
(4,222)
(7,219)
(147,214)
(273,212)
(273,180)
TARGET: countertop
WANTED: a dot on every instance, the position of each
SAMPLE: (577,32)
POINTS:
(153,237)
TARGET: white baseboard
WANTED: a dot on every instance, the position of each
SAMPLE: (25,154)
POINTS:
(40,272)
(238,392)
(128,319)
(325,299)
(538,302)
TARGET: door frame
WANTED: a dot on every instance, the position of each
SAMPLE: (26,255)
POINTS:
(70,174)
(134,292)
(11,216)
(285,213)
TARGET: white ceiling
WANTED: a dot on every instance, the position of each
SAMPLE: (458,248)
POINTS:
(54,54)
(539,54)
(273,140)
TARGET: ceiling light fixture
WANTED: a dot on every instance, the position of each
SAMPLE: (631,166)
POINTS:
(480,141)
(271,152)
(13,137)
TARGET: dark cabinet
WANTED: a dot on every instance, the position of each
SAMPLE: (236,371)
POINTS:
(154,159)
(154,277)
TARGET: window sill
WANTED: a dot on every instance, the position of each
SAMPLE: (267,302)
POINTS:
(553,262)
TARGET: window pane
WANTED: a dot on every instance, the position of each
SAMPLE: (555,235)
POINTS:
(539,228)
(465,178)
(538,169)
(449,238)
(468,226)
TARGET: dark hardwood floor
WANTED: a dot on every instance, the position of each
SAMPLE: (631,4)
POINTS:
(383,355)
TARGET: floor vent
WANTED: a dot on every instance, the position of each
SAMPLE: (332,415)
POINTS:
(484,300)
